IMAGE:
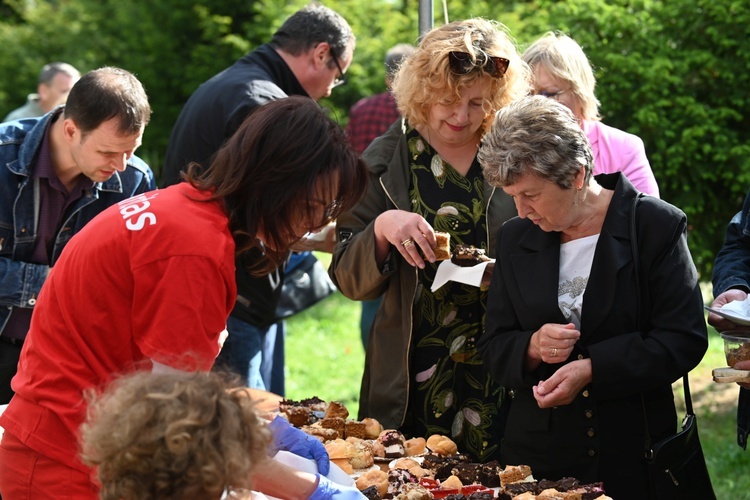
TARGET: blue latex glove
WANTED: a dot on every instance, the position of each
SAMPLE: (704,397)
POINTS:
(288,438)
(328,490)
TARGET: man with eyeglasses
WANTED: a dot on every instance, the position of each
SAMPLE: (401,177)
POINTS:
(308,56)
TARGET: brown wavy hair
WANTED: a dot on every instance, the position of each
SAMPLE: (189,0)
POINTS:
(172,436)
(425,78)
(285,158)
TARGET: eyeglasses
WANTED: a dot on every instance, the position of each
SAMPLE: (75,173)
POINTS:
(330,213)
(462,63)
(551,95)
(341,79)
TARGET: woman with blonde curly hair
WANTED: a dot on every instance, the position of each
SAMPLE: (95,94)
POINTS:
(422,371)
(172,435)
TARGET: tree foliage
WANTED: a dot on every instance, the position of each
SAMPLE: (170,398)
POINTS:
(676,74)
(673,72)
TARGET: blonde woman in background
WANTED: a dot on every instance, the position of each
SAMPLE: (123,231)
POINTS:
(561,71)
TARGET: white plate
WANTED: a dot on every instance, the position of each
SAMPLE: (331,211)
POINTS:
(733,316)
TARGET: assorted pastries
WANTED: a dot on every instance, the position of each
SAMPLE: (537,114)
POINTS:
(386,465)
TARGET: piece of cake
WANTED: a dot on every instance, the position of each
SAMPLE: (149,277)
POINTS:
(334,423)
(336,410)
(321,433)
(397,478)
(442,246)
(467,473)
(564,484)
(393,443)
(353,428)
(371,493)
(553,494)
(489,474)
(299,416)
(443,466)
(468,255)
(515,489)
(514,473)
(592,491)
(482,495)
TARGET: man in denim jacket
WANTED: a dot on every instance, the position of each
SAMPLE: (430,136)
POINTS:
(57,172)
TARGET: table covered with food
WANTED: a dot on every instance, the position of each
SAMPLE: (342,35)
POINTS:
(384,464)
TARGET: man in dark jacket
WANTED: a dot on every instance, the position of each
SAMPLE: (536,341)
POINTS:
(57,173)
(308,55)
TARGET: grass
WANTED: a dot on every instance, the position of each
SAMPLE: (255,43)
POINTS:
(325,358)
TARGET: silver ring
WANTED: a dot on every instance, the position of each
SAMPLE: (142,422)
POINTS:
(407,243)
(554,352)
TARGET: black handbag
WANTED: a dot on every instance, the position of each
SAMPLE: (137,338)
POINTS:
(304,286)
(676,465)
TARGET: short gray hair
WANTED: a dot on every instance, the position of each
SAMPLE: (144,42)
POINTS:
(395,56)
(49,71)
(535,135)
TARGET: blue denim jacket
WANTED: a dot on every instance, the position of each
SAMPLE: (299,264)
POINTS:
(732,264)
(20,280)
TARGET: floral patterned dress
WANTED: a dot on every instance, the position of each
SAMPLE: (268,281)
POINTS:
(450,391)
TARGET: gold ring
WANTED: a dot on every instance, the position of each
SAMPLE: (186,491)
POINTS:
(407,242)
(554,352)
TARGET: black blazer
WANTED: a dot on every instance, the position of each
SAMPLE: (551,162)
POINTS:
(600,435)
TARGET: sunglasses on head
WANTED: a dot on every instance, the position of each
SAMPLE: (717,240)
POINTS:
(461,63)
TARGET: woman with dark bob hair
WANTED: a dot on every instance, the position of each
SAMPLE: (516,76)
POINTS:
(422,373)
(588,347)
(149,283)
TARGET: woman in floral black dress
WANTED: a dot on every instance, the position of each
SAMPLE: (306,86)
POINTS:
(422,374)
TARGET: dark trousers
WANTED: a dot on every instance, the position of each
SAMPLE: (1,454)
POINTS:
(9,354)
(256,354)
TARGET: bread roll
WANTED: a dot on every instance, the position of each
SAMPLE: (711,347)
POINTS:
(414,446)
(375,477)
(441,445)
(372,428)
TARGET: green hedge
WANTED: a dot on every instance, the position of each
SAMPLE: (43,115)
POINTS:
(674,72)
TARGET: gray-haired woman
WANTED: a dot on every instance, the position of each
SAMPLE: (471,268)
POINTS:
(563,328)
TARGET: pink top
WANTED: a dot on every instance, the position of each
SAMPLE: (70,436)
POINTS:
(618,151)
